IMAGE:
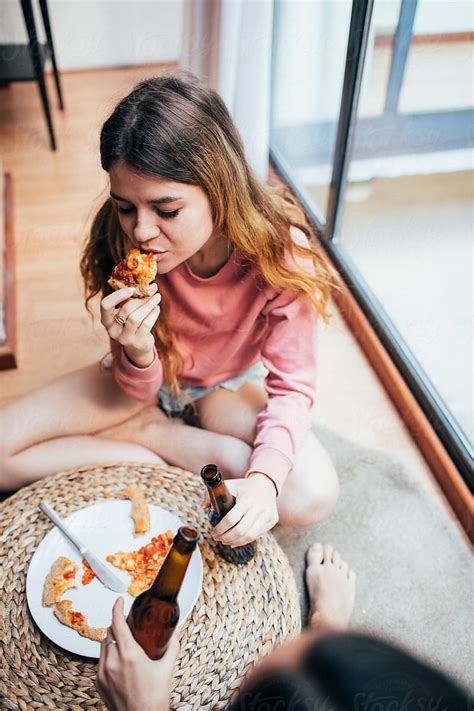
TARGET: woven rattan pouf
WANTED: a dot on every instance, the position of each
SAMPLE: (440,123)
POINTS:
(241,614)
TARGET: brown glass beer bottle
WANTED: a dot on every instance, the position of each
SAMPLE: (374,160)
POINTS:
(221,503)
(155,612)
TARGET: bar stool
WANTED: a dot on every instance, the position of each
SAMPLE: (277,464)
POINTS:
(25,62)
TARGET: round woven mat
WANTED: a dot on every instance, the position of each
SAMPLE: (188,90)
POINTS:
(241,614)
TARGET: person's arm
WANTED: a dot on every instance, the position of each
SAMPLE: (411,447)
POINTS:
(139,383)
(289,353)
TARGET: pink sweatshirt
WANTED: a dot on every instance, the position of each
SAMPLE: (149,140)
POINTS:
(229,321)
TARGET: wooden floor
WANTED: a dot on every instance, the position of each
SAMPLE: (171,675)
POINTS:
(55,196)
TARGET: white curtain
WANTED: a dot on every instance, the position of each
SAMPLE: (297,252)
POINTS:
(228,44)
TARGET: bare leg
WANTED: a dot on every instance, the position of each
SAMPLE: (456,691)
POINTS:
(67,453)
(181,445)
(51,428)
(308,495)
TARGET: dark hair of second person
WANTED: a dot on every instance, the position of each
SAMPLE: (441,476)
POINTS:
(352,672)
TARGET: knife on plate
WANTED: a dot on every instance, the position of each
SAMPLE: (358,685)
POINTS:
(105,576)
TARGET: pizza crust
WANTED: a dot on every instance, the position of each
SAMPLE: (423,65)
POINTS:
(140,512)
(78,621)
(60,578)
(141,290)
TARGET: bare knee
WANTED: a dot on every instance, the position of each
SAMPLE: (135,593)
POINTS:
(312,502)
(232,458)
(10,478)
(324,497)
(232,413)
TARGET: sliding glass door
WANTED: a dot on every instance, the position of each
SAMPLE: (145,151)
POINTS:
(373,128)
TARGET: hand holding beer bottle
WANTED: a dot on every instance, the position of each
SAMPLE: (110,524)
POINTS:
(251,512)
(127,679)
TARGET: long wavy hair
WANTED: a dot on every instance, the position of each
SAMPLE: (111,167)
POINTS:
(175,128)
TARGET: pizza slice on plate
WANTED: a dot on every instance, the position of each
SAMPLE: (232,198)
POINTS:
(144,563)
(136,270)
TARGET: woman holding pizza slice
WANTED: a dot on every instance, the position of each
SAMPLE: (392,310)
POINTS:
(228,341)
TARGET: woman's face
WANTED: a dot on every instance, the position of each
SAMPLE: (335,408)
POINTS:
(170,220)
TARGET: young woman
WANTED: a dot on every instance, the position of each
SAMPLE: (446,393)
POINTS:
(229,339)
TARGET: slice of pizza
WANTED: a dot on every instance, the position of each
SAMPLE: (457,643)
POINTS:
(78,621)
(140,512)
(60,578)
(136,270)
(144,563)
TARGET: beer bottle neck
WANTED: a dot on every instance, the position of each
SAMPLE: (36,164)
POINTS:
(221,499)
(167,583)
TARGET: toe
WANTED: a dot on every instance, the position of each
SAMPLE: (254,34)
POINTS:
(336,559)
(314,554)
(351,575)
(345,568)
(328,553)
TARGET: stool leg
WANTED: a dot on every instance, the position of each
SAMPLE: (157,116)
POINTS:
(49,36)
(36,60)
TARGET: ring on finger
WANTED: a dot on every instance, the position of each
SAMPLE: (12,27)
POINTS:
(120,320)
(111,641)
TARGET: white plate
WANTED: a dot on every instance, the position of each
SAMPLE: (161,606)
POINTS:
(105,527)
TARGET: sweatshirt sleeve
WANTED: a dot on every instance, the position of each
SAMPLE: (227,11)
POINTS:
(289,354)
(139,383)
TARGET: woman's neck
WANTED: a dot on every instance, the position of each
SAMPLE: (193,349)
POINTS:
(210,258)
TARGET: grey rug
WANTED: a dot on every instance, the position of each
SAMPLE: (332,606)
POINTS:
(414,582)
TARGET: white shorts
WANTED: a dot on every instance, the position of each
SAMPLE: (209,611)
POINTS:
(174,406)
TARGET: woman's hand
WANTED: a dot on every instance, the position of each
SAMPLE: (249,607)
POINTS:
(255,511)
(127,679)
(138,316)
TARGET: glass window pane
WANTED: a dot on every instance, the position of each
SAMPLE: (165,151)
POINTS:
(438,76)
(439,71)
(309,50)
(408,219)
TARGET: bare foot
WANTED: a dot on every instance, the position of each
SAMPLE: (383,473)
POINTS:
(331,588)
(137,429)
